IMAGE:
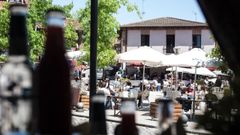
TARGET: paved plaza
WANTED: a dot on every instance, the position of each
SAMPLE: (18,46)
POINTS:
(146,125)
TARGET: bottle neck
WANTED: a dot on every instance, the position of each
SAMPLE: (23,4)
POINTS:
(98,116)
(128,109)
(55,40)
(98,108)
(128,119)
(18,35)
(165,109)
(128,124)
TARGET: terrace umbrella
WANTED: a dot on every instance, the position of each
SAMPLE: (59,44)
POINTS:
(196,57)
(146,55)
(200,71)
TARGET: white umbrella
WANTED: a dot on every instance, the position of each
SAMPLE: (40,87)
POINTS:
(146,55)
(192,58)
(218,72)
(200,71)
(177,60)
(143,54)
(179,69)
(203,71)
(196,57)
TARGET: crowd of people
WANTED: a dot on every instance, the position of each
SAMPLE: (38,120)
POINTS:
(182,88)
(205,88)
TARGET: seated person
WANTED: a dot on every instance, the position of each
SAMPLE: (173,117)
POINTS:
(154,84)
(128,86)
(210,99)
(102,89)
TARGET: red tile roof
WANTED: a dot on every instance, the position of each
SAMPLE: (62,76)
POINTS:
(166,22)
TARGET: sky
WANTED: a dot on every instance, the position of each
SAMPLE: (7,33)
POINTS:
(182,9)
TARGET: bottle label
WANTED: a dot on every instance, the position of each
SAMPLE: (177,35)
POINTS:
(15,90)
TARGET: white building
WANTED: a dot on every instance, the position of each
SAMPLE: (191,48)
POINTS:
(167,35)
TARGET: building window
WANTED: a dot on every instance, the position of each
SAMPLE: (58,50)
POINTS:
(170,43)
(144,40)
(196,41)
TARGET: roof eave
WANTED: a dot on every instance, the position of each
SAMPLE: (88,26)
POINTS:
(199,26)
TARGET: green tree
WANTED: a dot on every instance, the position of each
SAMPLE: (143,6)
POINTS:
(70,30)
(36,19)
(70,34)
(37,12)
(217,55)
(35,24)
(4,23)
(108,27)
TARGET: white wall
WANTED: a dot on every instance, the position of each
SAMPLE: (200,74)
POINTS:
(208,48)
(207,41)
(157,37)
(158,48)
(182,49)
(183,38)
(206,37)
(134,38)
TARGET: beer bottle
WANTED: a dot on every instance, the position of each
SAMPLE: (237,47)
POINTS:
(54,79)
(167,126)
(16,77)
(165,109)
(98,123)
(127,125)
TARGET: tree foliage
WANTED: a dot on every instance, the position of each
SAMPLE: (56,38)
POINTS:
(36,24)
(222,118)
(70,30)
(217,55)
(70,35)
(108,27)
(4,21)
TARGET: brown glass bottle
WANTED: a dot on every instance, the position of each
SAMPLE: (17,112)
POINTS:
(16,77)
(127,125)
(165,109)
(54,80)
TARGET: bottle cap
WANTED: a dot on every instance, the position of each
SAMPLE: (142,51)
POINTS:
(98,98)
(55,18)
(128,107)
(18,9)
